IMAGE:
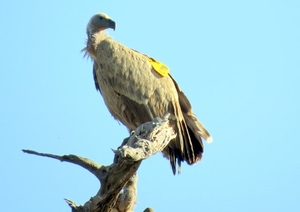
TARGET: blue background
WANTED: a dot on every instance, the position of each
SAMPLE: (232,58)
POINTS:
(237,61)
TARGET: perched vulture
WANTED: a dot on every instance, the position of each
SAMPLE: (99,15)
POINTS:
(135,92)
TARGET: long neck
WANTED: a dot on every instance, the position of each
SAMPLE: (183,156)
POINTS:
(94,39)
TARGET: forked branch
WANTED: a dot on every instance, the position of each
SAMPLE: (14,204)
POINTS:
(118,180)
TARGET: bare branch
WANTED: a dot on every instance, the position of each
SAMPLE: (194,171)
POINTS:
(86,163)
(118,181)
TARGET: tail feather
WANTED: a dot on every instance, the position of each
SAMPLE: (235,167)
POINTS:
(197,127)
(189,117)
(188,145)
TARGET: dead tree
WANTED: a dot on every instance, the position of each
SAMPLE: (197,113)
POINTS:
(118,188)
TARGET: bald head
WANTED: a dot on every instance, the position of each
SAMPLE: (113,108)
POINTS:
(100,22)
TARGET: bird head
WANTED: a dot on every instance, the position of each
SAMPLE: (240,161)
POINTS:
(100,22)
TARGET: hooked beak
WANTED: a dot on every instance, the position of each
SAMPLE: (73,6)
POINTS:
(112,24)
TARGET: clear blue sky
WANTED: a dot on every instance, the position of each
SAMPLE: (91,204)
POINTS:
(237,61)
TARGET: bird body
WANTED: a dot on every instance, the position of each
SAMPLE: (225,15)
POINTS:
(135,93)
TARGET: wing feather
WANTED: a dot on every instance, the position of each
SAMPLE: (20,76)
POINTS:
(134,93)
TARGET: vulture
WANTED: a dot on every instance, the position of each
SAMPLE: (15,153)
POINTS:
(136,88)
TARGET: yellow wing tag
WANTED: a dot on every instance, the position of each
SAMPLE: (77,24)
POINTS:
(159,67)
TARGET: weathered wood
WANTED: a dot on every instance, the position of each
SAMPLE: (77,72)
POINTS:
(119,180)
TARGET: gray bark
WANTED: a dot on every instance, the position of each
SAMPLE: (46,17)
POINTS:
(118,189)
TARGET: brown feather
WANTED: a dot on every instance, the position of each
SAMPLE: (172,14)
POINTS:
(134,94)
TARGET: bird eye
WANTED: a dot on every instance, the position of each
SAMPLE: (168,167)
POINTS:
(100,18)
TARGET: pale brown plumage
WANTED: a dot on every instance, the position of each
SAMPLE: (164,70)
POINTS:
(135,93)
